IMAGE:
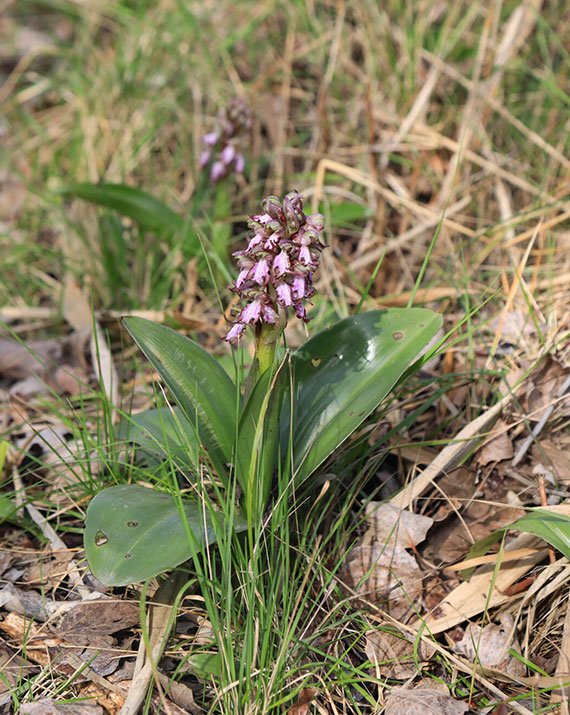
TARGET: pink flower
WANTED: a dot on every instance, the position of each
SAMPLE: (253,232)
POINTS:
(261,272)
(284,294)
(235,332)
(239,163)
(211,139)
(228,153)
(217,171)
(299,287)
(251,312)
(282,263)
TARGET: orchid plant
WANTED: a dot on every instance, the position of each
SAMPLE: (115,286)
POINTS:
(289,415)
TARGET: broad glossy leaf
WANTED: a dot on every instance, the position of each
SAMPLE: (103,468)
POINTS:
(342,374)
(129,201)
(553,528)
(202,388)
(133,533)
(164,431)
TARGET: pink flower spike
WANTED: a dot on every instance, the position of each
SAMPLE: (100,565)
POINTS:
(251,312)
(282,263)
(235,333)
(217,171)
(261,272)
(284,294)
(228,153)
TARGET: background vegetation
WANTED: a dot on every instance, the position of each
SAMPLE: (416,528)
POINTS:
(400,122)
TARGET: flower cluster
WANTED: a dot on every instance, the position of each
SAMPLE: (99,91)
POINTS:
(277,266)
(223,143)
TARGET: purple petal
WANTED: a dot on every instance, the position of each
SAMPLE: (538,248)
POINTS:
(299,287)
(251,312)
(305,255)
(217,171)
(284,294)
(239,163)
(205,158)
(272,242)
(243,276)
(300,311)
(262,218)
(228,153)
(235,333)
(211,138)
(282,263)
(317,221)
(261,272)
(269,315)
(255,240)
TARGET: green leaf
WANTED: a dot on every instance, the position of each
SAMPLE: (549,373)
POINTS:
(164,431)
(129,201)
(9,513)
(258,430)
(8,510)
(202,388)
(553,528)
(208,663)
(133,533)
(347,213)
(342,374)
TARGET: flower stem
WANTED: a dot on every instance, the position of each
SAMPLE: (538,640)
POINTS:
(265,344)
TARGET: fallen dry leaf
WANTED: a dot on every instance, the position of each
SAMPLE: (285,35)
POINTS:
(379,568)
(554,458)
(481,513)
(45,706)
(394,654)
(497,447)
(35,358)
(421,701)
(490,645)
(385,574)
(388,524)
(303,703)
(472,597)
(542,388)
(98,617)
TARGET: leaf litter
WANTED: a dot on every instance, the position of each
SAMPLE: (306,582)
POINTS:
(398,569)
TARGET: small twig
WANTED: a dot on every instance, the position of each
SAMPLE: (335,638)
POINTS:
(161,617)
